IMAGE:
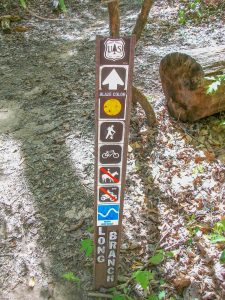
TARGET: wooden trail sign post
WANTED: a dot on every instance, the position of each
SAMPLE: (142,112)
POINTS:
(114,70)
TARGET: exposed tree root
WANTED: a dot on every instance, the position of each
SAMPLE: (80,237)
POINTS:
(138,96)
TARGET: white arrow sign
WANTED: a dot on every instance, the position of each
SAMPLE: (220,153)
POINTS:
(113,79)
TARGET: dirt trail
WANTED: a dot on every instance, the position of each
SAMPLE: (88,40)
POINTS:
(46,154)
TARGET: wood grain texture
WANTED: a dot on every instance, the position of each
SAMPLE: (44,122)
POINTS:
(184,83)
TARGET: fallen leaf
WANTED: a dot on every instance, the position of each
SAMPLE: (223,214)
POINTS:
(181,282)
(197,181)
(199,159)
(136,145)
(136,265)
(130,149)
(210,156)
(31,282)
(21,28)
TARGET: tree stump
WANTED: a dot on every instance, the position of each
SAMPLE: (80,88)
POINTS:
(184,83)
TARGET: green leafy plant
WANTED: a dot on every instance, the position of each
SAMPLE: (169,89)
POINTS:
(87,245)
(143,278)
(182,17)
(90,229)
(160,256)
(219,227)
(195,7)
(218,231)
(71,277)
(23,4)
(213,87)
(162,295)
(157,258)
(62,5)
(153,297)
(216,238)
(198,169)
(222,257)
(192,9)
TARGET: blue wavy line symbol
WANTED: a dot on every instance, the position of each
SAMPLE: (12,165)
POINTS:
(108,212)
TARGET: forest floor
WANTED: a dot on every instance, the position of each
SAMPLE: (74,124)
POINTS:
(175,178)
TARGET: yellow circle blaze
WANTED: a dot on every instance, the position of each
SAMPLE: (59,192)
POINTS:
(112,107)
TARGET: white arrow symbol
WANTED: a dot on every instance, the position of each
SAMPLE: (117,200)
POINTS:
(113,79)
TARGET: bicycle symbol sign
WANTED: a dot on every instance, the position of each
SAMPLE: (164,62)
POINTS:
(110,154)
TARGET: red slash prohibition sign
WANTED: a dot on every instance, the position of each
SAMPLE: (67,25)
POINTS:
(110,175)
(107,193)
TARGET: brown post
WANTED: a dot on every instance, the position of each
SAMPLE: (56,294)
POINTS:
(114,70)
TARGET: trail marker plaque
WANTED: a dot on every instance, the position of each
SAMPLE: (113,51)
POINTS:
(114,70)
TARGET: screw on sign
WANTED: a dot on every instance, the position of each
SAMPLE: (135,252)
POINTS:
(114,68)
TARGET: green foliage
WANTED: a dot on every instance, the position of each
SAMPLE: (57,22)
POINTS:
(71,277)
(195,7)
(153,297)
(219,227)
(157,258)
(198,169)
(216,238)
(161,295)
(90,229)
(198,10)
(87,245)
(62,5)
(23,3)
(160,256)
(192,9)
(213,87)
(218,233)
(222,257)
(169,254)
(182,17)
(143,278)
